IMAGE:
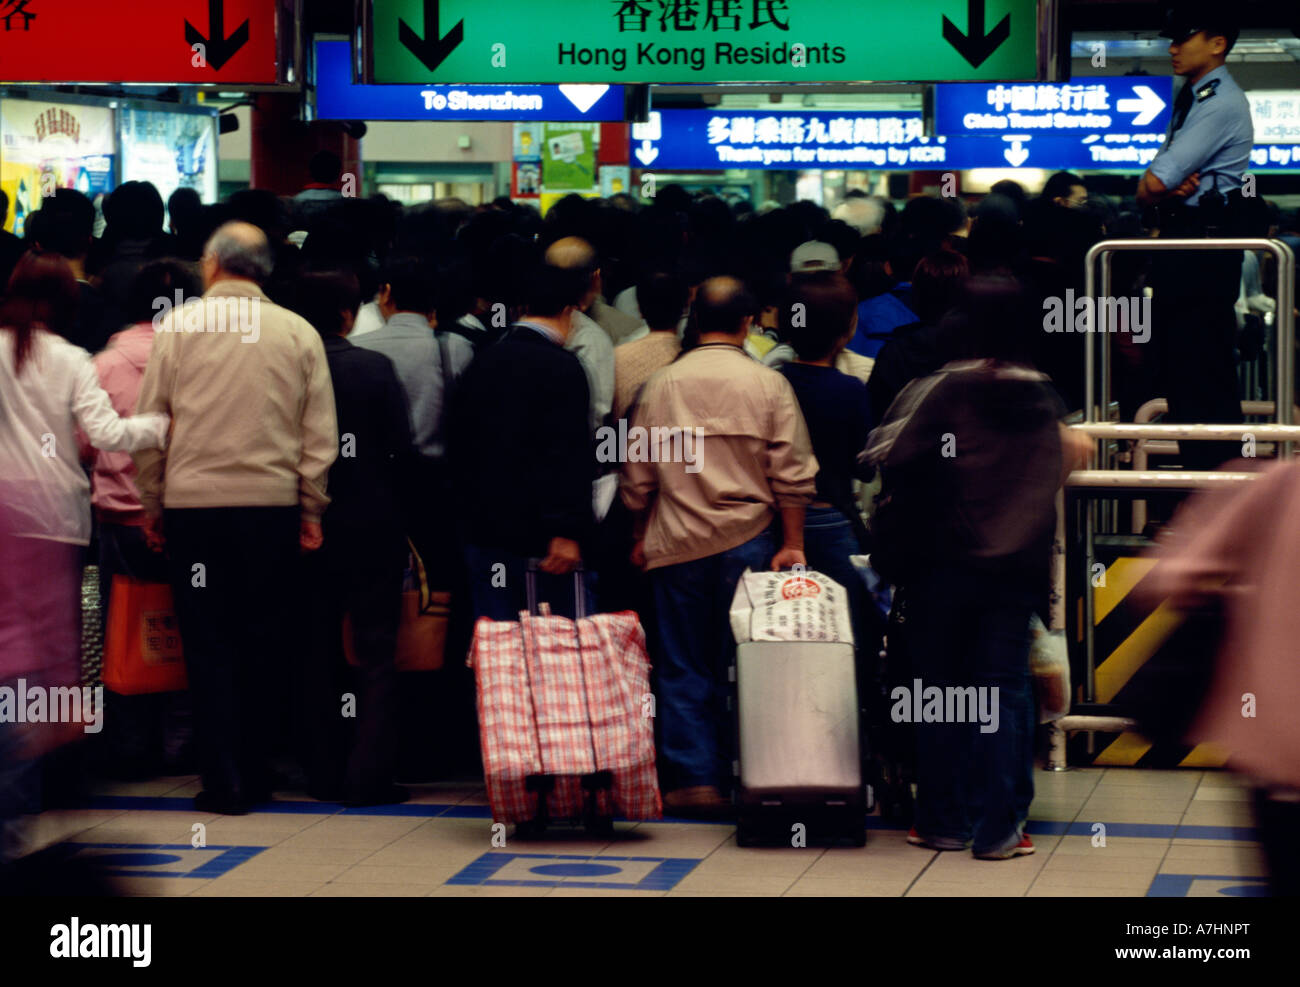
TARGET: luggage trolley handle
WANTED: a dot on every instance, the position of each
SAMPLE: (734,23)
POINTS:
(598,780)
(530,589)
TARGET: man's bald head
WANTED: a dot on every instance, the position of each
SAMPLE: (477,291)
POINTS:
(724,305)
(238,250)
(571,252)
(575,254)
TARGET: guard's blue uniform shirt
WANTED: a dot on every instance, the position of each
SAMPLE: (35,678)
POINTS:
(1214,140)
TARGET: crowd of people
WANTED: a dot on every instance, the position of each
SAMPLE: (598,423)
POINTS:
(436,380)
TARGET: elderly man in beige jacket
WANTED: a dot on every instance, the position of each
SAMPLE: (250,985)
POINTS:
(718,451)
(239,491)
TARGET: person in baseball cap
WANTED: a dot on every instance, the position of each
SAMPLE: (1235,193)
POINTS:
(1191,17)
(814,256)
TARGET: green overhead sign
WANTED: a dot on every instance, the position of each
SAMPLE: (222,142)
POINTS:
(518,42)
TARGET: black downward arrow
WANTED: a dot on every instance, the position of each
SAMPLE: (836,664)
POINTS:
(976,46)
(217,49)
(430,49)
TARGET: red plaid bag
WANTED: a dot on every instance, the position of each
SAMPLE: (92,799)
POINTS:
(617,673)
(565,698)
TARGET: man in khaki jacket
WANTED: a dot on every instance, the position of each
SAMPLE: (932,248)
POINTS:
(239,491)
(718,450)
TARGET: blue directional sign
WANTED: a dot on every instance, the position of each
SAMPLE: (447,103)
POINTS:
(1275,157)
(1111,152)
(684,139)
(339,98)
(695,140)
(1121,105)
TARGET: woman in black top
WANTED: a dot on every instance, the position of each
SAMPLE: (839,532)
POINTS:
(821,317)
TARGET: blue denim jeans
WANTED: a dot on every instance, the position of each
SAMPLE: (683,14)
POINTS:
(498,585)
(693,601)
(966,626)
(828,541)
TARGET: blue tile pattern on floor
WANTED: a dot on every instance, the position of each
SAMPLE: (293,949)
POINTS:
(1035,827)
(563,868)
(1157,831)
(149,859)
(1180,885)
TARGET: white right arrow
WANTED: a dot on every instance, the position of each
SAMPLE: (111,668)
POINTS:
(1147,106)
(646,153)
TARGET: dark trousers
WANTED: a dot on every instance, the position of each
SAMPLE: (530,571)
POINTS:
(143,735)
(828,541)
(430,521)
(234,615)
(40,624)
(1193,332)
(1279,824)
(970,627)
(349,750)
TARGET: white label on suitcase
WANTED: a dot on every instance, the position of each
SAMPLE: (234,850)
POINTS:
(790,606)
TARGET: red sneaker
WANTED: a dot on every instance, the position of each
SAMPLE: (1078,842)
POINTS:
(1022,849)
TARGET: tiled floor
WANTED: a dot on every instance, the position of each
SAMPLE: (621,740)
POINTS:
(1116,832)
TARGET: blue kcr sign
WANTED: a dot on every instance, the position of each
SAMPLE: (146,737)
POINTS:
(685,139)
(339,98)
(695,140)
(1123,105)
(1112,152)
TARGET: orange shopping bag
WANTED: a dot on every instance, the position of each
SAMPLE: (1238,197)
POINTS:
(142,649)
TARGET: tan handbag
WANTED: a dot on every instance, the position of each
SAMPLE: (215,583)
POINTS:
(422,632)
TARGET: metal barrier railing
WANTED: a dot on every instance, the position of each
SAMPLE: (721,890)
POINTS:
(1148,430)
(1103,479)
(1142,448)
(1096,479)
(1136,480)
(1104,251)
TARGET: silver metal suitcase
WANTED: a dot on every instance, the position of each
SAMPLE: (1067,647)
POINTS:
(800,765)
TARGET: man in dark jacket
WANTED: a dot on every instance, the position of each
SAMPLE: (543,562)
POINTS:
(924,346)
(522,454)
(972,458)
(359,568)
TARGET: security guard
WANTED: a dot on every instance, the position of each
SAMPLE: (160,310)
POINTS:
(1194,183)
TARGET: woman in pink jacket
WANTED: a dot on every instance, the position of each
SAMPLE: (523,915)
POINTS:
(135,731)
